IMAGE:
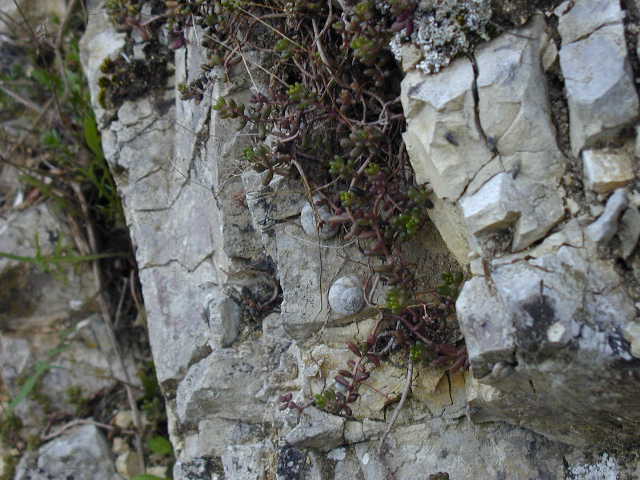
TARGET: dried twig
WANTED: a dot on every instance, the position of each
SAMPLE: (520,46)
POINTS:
(116,320)
(19,98)
(80,421)
(396,412)
(108,320)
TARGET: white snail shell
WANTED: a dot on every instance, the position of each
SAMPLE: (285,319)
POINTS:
(346,295)
(310,225)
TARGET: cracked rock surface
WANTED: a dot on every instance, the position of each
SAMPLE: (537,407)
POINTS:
(594,48)
(553,261)
(548,319)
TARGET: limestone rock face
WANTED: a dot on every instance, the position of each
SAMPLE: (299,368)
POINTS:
(549,322)
(498,160)
(545,311)
(594,48)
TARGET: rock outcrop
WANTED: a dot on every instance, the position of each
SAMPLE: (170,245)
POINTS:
(554,286)
(548,315)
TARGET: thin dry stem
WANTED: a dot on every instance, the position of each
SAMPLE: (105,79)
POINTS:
(108,320)
(19,98)
(76,422)
(396,412)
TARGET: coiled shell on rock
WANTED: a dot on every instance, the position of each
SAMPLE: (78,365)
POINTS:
(310,225)
(346,295)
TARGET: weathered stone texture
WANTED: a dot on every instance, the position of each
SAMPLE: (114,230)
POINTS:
(549,324)
(604,171)
(80,453)
(545,311)
(513,178)
(594,48)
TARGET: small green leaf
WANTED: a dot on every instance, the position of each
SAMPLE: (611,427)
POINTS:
(46,79)
(146,476)
(91,135)
(160,445)
(41,368)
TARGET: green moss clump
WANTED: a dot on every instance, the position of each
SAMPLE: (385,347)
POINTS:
(81,404)
(10,427)
(14,303)
(129,80)
(10,464)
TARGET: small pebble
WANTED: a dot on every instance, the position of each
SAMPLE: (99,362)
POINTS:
(123,419)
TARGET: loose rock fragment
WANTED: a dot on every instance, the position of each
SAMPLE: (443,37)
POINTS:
(629,231)
(81,453)
(224,316)
(317,429)
(128,464)
(606,171)
(601,107)
(602,230)
(492,207)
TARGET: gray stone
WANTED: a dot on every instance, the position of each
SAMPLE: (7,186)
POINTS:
(606,468)
(81,453)
(224,317)
(99,41)
(533,207)
(200,468)
(605,171)
(518,186)
(489,332)
(371,464)
(128,464)
(437,106)
(185,202)
(599,108)
(629,231)
(271,205)
(246,462)
(226,384)
(179,196)
(493,207)
(317,429)
(36,300)
(346,295)
(541,209)
(449,222)
(310,223)
(632,335)
(605,227)
(580,19)
(519,342)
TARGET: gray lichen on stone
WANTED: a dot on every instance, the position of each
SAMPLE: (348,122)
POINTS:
(443,30)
